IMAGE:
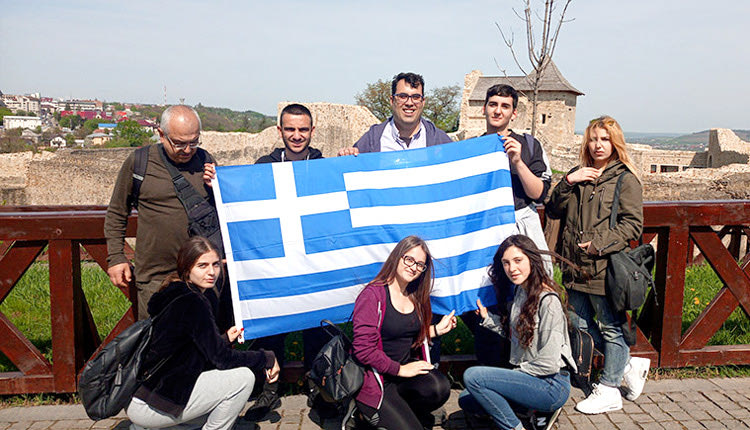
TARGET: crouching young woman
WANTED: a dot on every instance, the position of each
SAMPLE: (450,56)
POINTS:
(199,379)
(539,344)
(392,326)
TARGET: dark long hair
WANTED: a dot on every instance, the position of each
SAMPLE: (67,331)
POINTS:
(536,283)
(187,256)
(419,289)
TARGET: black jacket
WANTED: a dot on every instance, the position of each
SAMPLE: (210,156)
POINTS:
(187,332)
(275,156)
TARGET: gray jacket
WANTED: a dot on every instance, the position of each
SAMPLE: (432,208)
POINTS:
(550,343)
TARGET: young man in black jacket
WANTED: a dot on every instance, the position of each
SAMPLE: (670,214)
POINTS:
(296,130)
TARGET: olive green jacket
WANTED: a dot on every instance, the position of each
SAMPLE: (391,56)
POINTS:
(584,209)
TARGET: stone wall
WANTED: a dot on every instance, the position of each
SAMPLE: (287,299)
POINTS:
(87,176)
(724,147)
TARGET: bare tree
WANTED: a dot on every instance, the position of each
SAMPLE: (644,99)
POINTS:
(540,48)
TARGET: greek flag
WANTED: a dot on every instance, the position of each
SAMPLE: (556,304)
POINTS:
(302,239)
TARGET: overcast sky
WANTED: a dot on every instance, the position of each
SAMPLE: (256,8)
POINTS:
(656,66)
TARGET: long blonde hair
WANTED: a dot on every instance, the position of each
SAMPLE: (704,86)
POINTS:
(616,137)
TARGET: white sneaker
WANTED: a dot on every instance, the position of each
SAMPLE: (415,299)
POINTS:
(635,376)
(602,399)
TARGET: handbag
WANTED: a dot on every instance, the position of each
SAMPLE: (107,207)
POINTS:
(628,276)
(334,371)
(109,380)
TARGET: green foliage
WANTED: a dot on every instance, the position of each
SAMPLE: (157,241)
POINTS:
(71,121)
(377,98)
(442,107)
(70,139)
(11,141)
(222,119)
(92,124)
(132,133)
(5,111)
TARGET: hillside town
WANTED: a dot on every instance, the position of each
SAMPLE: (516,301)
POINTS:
(45,122)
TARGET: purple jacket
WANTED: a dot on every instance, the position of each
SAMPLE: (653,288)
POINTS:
(369,311)
(370,141)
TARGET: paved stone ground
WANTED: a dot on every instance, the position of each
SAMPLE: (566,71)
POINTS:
(667,404)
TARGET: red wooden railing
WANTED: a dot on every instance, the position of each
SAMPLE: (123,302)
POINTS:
(674,227)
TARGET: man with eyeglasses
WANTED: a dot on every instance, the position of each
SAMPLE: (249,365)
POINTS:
(162,220)
(406,129)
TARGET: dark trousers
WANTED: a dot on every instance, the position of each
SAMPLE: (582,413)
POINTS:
(408,402)
(313,340)
(490,348)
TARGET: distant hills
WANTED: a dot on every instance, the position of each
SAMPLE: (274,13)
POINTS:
(223,119)
(689,142)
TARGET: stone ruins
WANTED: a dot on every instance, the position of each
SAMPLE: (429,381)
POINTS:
(86,176)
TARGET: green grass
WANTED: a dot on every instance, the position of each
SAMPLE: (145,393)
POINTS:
(27,306)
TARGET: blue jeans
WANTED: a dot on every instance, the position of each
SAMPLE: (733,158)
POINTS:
(499,392)
(607,333)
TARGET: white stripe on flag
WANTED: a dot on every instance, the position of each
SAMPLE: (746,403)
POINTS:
(428,212)
(301,303)
(426,175)
(267,209)
(364,255)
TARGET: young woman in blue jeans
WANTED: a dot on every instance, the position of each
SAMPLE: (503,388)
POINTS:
(539,349)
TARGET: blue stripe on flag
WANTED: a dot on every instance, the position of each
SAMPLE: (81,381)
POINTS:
(256,239)
(333,230)
(240,184)
(457,264)
(260,327)
(463,302)
(426,193)
(305,284)
(326,281)
(327,176)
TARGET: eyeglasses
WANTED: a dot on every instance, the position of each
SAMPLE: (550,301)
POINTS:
(183,146)
(403,97)
(410,261)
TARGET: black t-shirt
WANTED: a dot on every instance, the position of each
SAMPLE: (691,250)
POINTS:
(534,160)
(398,332)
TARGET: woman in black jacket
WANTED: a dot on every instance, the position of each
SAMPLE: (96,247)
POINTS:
(196,377)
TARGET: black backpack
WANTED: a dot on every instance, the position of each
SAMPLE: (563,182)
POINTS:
(109,380)
(582,350)
(628,276)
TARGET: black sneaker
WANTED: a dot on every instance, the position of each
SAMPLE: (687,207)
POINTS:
(266,402)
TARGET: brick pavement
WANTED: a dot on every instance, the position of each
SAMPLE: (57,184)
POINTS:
(667,404)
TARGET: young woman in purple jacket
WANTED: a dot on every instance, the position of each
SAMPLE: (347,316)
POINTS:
(391,332)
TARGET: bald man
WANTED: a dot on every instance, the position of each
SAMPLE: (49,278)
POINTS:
(162,220)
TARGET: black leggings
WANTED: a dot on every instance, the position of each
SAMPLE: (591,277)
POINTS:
(408,402)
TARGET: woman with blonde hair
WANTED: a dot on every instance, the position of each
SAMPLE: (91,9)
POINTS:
(583,199)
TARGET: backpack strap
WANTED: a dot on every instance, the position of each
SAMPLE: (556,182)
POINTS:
(530,143)
(616,202)
(139,173)
(186,193)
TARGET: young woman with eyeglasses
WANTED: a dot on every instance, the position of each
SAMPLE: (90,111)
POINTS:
(583,199)
(392,328)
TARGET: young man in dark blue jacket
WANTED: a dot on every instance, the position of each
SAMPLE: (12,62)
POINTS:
(406,129)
